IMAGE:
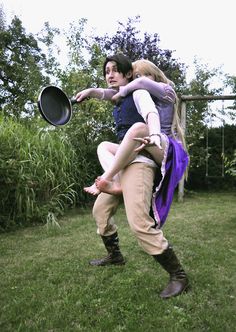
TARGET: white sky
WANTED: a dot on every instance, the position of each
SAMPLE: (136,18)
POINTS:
(201,28)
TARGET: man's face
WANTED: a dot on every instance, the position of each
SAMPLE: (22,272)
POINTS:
(113,78)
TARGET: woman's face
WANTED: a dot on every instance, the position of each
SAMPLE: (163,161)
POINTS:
(137,74)
(114,79)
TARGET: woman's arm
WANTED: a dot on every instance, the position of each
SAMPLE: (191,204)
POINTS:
(162,91)
(147,109)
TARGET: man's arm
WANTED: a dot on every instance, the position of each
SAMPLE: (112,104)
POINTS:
(98,93)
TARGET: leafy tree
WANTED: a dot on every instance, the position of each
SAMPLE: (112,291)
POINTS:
(196,114)
(230,165)
(2,18)
(46,39)
(21,72)
(231,82)
(129,40)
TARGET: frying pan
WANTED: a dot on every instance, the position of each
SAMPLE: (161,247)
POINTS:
(55,106)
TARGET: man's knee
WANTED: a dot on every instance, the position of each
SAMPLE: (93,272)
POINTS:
(104,220)
(105,207)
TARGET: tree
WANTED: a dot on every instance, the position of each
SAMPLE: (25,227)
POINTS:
(2,18)
(21,72)
(231,82)
(129,40)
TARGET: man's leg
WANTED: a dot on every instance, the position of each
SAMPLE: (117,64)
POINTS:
(178,282)
(104,208)
(137,183)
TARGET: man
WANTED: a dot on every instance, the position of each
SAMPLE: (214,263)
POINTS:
(137,181)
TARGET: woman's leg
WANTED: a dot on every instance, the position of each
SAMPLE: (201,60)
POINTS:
(106,153)
(125,154)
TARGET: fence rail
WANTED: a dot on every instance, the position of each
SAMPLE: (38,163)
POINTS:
(208,97)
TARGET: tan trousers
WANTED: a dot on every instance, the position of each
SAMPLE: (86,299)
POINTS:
(136,182)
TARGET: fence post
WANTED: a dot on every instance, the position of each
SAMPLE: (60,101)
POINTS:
(183,125)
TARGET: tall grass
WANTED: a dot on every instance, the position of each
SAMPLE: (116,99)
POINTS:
(47,284)
(37,172)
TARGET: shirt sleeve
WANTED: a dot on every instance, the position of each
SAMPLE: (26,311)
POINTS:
(108,94)
(144,103)
(162,91)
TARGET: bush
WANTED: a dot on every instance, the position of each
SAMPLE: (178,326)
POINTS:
(37,174)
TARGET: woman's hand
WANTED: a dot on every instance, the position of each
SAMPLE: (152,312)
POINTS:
(116,98)
(148,141)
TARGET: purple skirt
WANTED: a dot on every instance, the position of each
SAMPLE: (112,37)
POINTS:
(172,169)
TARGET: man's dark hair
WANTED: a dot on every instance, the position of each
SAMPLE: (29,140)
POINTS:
(124,64)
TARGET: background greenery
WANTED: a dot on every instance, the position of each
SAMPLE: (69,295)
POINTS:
(43,169)
(35,179)
(47,284)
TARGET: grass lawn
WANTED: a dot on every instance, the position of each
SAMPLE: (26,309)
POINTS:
(47,284)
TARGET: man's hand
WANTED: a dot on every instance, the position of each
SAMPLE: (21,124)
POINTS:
(82,95)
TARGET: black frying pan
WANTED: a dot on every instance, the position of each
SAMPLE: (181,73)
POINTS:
(55,106)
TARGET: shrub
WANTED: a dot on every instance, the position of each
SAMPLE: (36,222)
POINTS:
(37,174)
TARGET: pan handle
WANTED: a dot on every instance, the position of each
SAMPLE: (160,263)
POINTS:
(73,101)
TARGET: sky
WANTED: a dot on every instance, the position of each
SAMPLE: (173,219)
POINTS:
(191,28)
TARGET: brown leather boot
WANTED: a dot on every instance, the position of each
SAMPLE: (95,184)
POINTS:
(114,255)
(178,282)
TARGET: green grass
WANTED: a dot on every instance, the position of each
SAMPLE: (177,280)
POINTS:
(47,284)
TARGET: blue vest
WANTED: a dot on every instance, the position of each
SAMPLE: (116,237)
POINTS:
(125,115)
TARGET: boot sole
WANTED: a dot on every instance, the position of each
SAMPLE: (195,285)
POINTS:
(184,291)
(108,264)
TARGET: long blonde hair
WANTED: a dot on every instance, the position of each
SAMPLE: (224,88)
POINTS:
(145,68)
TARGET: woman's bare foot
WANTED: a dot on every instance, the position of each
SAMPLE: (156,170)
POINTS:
(109,187)
(93,190)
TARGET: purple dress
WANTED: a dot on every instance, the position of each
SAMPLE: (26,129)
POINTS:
(172,169)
